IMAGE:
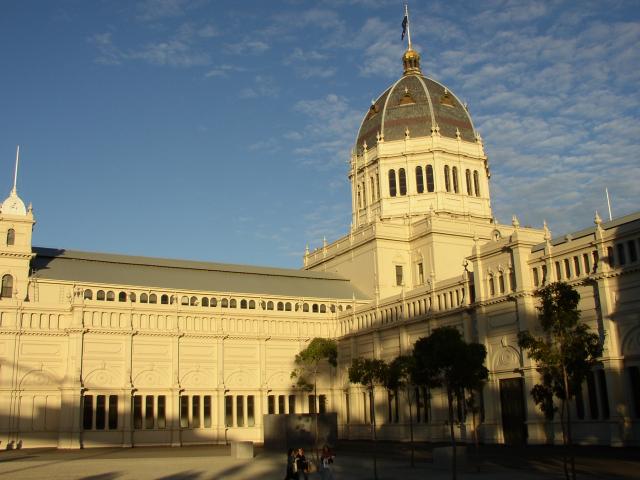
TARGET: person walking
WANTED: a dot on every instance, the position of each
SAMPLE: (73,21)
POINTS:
(292,472)
(303,464)
(326,463)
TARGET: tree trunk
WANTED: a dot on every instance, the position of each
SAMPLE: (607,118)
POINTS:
(453,434)
(410,426)
(316,409)
(569,444)
(372,411)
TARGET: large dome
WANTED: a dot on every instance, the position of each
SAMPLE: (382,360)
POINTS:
(416,103)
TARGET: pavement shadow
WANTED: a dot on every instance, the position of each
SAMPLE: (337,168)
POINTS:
(188,475)
(103,476)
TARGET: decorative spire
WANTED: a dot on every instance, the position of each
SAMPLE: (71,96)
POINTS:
(411,58)
(515,222)
(597,220)
(547,232)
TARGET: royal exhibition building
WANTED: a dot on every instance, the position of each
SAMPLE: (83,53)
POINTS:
(114,350)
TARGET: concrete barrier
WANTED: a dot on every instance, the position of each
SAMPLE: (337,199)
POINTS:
(241,449)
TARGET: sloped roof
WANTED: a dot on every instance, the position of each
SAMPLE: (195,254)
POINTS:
(160,273)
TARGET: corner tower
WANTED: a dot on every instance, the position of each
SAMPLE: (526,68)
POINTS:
(16,227)
(417,152)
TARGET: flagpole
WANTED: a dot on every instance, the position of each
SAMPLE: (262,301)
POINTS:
(606,190)
(406,14)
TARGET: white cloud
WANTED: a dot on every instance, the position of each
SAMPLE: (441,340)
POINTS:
(263,86)
(223,70)
(247,46)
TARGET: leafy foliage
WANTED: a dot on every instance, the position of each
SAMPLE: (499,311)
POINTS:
(307,361)
(368,372)
(567,346)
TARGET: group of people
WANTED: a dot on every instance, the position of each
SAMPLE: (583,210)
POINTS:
(299,468)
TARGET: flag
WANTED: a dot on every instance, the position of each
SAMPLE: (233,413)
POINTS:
(404,27)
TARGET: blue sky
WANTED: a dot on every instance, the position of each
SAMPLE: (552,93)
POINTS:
(220,130)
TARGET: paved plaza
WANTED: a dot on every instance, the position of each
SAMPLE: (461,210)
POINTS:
(353,462)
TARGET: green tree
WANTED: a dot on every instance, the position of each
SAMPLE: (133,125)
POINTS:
(400,376)
(307,366)
(445,360)
(564,355)
(370,372)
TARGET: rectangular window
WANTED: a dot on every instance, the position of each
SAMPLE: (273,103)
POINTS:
(87,412)
(347,408)
(596,257)
(292,404)
(558,271)
(420,274)
(593,397)
(633,253)
(579,403)
(228,411)
(399,278)
(195,411)
(281,406)
(101,412)
(162,411)
(544,274)
(634,381)
(207,411)
(184,411)
(604,396)
(137,412)
(610,258)
(576,266)
(312,404)
(240,410)
(587,267)
(621,256)
(251,411)
(322,403)
(567,268)
(148,412)
(113,412)
(536,279)
(271,402)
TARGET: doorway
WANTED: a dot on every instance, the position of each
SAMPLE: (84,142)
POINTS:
(512,402)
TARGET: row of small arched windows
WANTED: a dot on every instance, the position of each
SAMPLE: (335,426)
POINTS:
(194,301)
(398,185)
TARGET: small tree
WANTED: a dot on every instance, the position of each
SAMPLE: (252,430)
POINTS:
(307,364)
(564,355)
(400,376)
(370,372)
(443,359)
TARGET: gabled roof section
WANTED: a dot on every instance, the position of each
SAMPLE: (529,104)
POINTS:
(169,274)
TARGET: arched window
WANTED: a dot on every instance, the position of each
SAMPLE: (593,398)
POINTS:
(333,309)
(476,183)
(88,294)
(430,183)
(501,282)
(164,299)
(314,308)
(269,305)
(392,183)
(252,304)
(403,181)
(213,302)
(111,297)
(233,303)
(193,301)
(132,297)
(287,307)
(454,172)
(323,308)
(173,300)
(305,307)
(243,303)
(373,189)
(468,175)
(184,300)
(447,179)
(7,287)
(224,303)
(492,286)
(11,236)
(205,302)
(280,307)
(122,297)
(153,298)
(144,298)
(419,179)
(359,198)
(100,295)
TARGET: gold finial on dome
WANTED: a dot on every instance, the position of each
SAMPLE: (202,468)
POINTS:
(411,58)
